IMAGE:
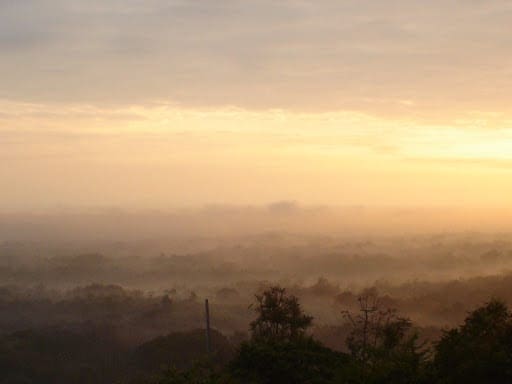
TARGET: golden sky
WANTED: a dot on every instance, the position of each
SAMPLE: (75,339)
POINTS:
(160,104)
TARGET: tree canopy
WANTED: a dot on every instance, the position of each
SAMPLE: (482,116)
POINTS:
(478,351)
(280,316)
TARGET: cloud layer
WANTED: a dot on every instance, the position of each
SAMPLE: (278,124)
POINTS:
(394,57)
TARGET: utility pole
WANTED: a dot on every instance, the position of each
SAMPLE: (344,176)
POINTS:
(368,305)
(208,336)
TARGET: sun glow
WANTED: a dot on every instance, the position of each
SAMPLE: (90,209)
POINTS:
(160,153)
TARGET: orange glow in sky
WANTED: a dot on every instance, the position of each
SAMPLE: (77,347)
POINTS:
(160,104)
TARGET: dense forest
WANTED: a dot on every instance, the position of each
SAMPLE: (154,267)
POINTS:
(380,346)
(411,309)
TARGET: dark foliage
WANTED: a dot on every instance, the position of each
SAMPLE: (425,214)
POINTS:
(297,361)
(181,351)
(480,350)
(382,348)
(54,356)
(383,345)
(280,317)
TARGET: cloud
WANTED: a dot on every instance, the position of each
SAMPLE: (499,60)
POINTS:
(441,57)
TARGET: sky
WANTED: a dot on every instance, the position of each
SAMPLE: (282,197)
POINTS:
(159,104)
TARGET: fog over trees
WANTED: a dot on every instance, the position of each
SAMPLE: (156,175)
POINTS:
(110,303)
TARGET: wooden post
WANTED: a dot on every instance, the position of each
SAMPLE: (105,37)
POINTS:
(208,339)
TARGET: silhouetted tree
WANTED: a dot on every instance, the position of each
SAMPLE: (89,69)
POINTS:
(279,351)
(382,344)
(280,316)
(480,350)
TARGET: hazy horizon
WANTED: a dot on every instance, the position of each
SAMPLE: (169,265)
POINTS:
(231,222)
